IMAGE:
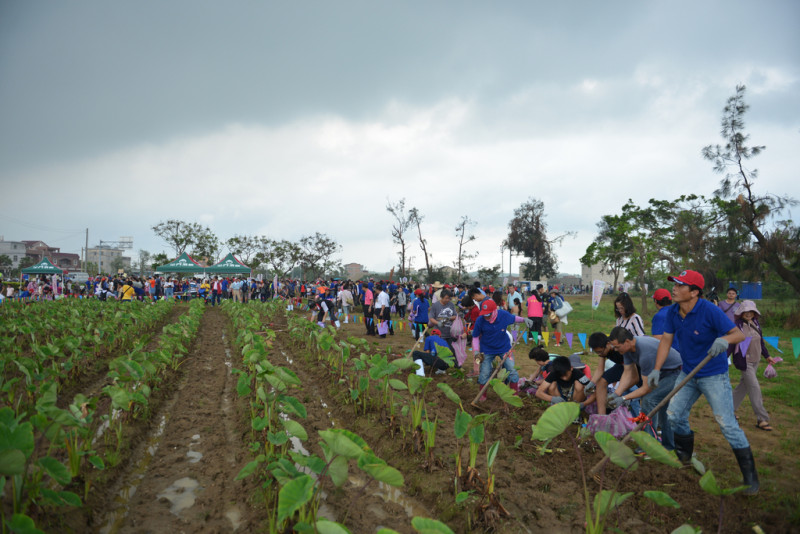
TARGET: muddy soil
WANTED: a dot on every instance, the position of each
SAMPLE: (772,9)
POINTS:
(181,476)
(542,492)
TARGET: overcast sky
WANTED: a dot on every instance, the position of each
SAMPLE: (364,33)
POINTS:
(287,118)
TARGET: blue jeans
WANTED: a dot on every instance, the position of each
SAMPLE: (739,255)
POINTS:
(718,393)
(169,292)
(651,400)
(486,368)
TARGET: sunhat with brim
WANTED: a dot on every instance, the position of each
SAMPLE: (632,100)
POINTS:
(576,362)
(746,306)
(437,285)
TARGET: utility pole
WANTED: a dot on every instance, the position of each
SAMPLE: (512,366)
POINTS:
(86,254)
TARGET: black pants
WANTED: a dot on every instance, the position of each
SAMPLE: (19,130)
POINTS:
(401,311)
(385,314)
(429,359)
(368,320)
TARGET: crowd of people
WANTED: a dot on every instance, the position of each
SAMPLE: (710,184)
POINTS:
(690,336)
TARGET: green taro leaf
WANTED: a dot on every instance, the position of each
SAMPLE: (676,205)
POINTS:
(380,470)
(243,385)
(709,484)
(97,462)
(698,465)
(294,495)
(248,470)
(555,420)
(397,384)
(337,470)
(506,393)
(449,393)
(341,444)
(423,525)
(417,383)
(619,453)
(22,524)
(606,500)
(463,420)
(492,454)
(70,498)
(463,496)
(686,529)
(295,429)
(387,531)
(655,449)
(404,363)
(330,527)
(476,434)
(662,499)
(12,462)
(55,469)
(291,405)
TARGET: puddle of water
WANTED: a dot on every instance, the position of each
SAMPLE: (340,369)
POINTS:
(181,494)
(234,515)
(391,494)
(114,519)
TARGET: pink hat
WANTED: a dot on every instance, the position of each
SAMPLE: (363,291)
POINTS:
(746,306)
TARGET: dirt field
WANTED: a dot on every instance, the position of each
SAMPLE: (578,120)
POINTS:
(179,475)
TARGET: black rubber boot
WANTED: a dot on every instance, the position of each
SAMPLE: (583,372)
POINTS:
(748,466)
(684,446)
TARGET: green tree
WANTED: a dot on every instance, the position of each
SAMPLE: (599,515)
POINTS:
(316,255)
(774,239)
(159,259)
(489,275)
(182,236)
(5,262)
(527,235)
(144,261)
(206,245)
(279,257)
(26,262)
(245,247)
(116,264)
(611,247)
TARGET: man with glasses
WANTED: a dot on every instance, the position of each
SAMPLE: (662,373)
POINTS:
(702,329)
(639,357)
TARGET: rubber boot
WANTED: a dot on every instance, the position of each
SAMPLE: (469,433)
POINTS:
(483,397)
(684,446)
(338,324)
(748,466)
(476,369)
(514,386)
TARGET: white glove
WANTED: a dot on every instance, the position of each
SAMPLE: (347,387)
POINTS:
(588,385)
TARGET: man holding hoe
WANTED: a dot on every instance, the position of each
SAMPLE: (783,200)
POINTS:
(702,330)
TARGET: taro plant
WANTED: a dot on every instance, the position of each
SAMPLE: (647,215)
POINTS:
(709,484)
(557,418)
(416,388)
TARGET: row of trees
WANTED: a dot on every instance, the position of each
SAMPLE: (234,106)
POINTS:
(735,233)
(313,254)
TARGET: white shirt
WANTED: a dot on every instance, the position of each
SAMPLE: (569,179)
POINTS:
(382,300)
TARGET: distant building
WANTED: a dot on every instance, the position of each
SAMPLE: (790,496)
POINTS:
(599,271)
(15,250)
(355,271)
(104,256)
(38,250)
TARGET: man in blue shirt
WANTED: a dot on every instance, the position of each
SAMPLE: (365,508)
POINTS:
(429,356)
(702,329)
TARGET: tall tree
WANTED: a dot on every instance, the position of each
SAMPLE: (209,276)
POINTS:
(400,226)
(144,258)
(280,257)
(489,275)
(245,247)
(774,244)
(611,247)
(464,238)
(158,259)
(178,235)
(528,236)
(416,220)
(316,254)
(206,245)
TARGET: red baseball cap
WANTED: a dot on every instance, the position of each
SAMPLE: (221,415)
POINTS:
(419,292)
(488,306)
(660,294)
(689,278)
(436,332)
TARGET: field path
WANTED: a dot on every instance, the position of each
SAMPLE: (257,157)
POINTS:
(182,478)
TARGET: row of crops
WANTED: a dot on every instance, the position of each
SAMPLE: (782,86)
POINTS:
(51,451)
(389,392)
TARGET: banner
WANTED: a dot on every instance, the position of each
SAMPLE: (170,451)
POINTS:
(744,345)
(796,346)
(569,339)
(546,337)
(773,340)
(597,292)
(582,338)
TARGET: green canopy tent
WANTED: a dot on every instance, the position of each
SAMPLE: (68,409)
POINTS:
(229,265)
(182,264)
(43,267)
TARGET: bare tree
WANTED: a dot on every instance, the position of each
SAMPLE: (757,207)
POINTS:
(401,224)
(463,239)
(416,219)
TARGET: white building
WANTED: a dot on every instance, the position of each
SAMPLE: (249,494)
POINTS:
(599,271)
(105,256)
(15,250)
